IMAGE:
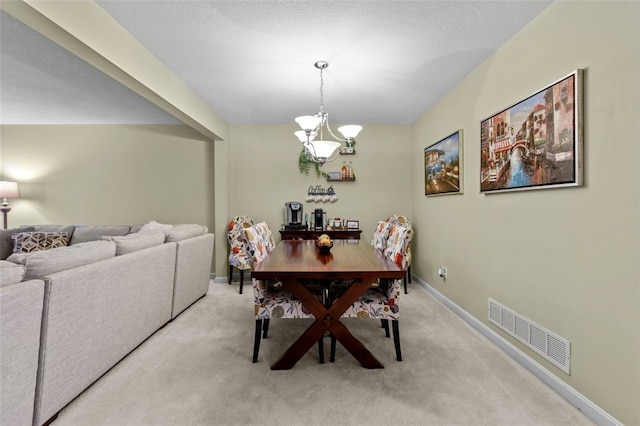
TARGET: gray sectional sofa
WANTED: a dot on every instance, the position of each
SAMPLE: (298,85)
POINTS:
(69,314)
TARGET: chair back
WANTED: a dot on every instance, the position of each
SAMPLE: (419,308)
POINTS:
(380,235)
(238,251)
(399,219)
(399,244)
(260,241)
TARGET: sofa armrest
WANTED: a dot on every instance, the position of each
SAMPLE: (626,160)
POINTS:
(193,271)
(21,305)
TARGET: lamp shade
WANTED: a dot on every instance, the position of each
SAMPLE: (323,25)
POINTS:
(308,122)
(323,149)
(302,135)
(9,189)
(350,131)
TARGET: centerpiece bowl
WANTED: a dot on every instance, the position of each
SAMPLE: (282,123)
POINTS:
(324,249)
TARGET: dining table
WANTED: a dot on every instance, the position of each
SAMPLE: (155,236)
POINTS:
(294,262)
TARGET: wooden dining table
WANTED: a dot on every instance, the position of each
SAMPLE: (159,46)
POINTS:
(295,261)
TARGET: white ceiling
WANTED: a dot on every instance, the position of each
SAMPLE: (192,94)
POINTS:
(252,61)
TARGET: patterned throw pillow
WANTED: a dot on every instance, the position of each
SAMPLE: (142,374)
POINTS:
(26,242)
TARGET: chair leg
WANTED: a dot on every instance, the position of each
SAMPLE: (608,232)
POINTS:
(396,339)
(385,325)
(265,329)
(332,355)
(256,340)
(321,350)
(230,273)
(409,273)
(241,279)
(405,284)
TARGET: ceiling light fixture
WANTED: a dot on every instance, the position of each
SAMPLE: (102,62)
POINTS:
(320,151)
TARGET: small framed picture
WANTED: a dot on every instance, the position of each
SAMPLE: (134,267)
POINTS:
(353,224)
(443,166)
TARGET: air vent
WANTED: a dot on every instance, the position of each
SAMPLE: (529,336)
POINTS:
(550,346)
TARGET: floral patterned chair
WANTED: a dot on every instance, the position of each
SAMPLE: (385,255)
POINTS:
(399,220)
(378,302)
(399,248)
(238,254)
(271,300)
(381,300)
(381,235)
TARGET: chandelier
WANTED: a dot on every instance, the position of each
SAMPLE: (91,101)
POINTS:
(320,151)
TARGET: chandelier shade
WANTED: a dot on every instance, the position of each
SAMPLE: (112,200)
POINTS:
(350,131)
(323,150)
(308,122)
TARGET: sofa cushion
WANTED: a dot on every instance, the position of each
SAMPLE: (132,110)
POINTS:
(184,231)
(42,263)
(134,242)
(55,228)
(82,234)
(26,242)
(10,273)
(6,243)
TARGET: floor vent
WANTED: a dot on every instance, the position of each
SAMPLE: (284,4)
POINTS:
(552,347)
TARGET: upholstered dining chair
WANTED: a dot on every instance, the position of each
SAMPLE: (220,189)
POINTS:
(271,299)
(378,302)
(399,248)
(238,252)
(383,236)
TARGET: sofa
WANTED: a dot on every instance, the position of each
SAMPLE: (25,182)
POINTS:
(75,300)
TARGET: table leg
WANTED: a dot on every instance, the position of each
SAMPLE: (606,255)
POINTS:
(326,320)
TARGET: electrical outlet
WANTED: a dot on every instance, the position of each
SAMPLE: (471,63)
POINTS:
(442,272)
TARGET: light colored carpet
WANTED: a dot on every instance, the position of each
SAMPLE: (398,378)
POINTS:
(197,371)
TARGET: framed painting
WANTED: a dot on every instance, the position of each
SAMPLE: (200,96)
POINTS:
(443,166)
(535,143)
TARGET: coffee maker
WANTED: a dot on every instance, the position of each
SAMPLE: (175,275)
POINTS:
(318,219)
(293,215)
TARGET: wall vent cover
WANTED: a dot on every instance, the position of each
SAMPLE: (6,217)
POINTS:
(550,346)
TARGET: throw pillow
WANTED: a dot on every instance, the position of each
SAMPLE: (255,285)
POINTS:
(134,242)
(82,234)
(26,242)
(184,231)
(154,226)
(6,243)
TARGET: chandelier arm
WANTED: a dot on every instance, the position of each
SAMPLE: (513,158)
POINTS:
(333,134)
(309,147)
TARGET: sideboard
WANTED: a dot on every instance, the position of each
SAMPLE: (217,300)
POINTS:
(334,234)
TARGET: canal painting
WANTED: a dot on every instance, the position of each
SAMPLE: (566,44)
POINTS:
(443,166)
(536,143)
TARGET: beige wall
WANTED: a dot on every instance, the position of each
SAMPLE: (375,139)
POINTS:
(264,175)
(108,174)
(565,258)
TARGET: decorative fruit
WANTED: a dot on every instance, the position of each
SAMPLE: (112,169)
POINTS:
(324,240)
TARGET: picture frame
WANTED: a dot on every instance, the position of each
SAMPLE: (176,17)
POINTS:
(536,143)
(443,166)
(353,224)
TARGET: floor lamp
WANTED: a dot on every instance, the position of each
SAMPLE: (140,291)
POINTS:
(7,190)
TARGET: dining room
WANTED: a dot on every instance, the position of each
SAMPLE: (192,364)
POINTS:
(561,258)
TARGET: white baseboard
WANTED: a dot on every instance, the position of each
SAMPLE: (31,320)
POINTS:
(587,407)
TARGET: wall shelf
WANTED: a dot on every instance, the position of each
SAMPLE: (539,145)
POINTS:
(340,180)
